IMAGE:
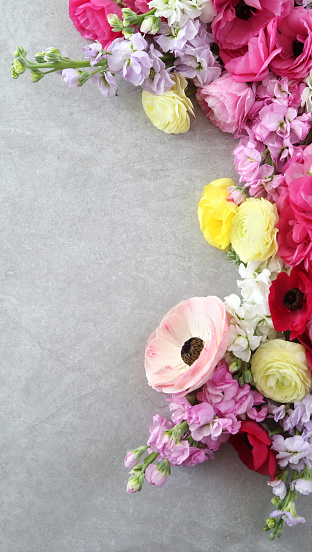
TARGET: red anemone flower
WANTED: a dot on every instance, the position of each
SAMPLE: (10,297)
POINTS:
(290,301)
(254,448)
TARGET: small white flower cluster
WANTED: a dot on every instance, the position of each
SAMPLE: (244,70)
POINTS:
(250,319)
(178,12)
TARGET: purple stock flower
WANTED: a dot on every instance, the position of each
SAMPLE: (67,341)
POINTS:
(198,63)
(129,58)
(289,517)
(94,52)
(174,40)
(293,451)
(159,78)
(71,77)
(279,488)
(106,83)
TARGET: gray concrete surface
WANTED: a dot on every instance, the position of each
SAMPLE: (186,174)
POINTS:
(99,239)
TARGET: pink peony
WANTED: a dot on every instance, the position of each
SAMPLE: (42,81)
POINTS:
(237,21)
(90,19)
(295,38)
(253,65)
(226,103)
(183,352)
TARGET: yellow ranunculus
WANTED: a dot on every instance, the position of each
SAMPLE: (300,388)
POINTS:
(280,371)
(169,111)
(215,213)
(253,232)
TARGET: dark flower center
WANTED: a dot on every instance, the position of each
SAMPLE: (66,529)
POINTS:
(243,11)
(293,299)
(191,350)
(297,48)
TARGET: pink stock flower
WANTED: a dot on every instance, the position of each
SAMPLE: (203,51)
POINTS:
(237,21)
(236,195)
(203,423)
(226,103)
(164,444)
(295,40)
(182,353)
(197,456)
(253,65)
(155,476)
(90,19)
(248,155)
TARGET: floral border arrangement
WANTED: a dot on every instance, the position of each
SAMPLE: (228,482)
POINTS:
(237,370)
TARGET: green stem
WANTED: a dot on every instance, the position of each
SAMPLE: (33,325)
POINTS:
(141,17)
(307,140)
(149,460)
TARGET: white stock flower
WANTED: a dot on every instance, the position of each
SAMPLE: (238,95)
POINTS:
(177,12)
(242,341)
(306,98)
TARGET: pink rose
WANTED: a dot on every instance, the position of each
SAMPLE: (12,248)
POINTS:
(226,103)
(183,352)
(295,39)
(253,65)
(90,19)
(237,21)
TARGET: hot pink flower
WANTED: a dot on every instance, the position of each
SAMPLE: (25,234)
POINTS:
(295,38)
(183,352)
(90,19)
(226,103)
(299,165)
(294,238)
(253,65)
(138,6)
(237,21)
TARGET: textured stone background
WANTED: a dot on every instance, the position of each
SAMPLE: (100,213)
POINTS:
(99,239)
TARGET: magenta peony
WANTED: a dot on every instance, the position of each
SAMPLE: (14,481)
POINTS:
(237,21)
(253,65)
(294,237)
(226,102)
(90,19)
(183,352)
(295,39)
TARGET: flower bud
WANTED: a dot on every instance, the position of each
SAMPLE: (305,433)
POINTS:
(37,75)
(39,57)
(18,68)
(128,32)
(134,484)
(129,17)
(270,523)
(235,366)
(115,22)
(52,54)
(151,25)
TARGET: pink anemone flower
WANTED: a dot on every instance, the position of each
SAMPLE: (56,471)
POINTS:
(183,352)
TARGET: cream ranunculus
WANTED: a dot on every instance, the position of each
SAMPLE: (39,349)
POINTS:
(215,213)
(280,371)
(253,232)
(169,111)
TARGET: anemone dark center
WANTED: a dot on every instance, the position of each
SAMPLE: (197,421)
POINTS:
(297,48)
(243,11)
(293,299)
(191,350)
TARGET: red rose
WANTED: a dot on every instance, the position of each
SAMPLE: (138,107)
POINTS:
(290,301)
(90,19)
(254,448)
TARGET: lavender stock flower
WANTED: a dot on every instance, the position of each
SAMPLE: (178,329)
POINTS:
(129,58)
